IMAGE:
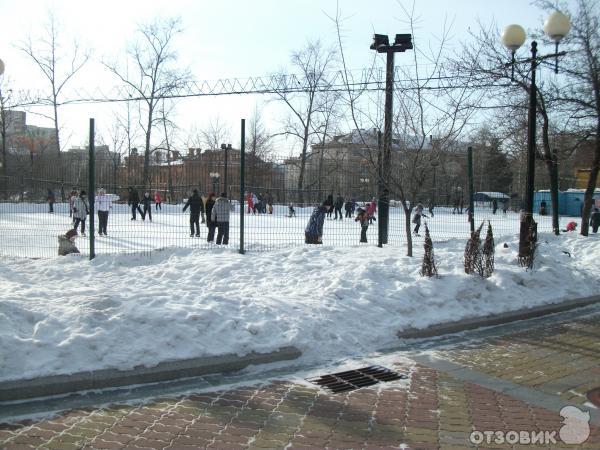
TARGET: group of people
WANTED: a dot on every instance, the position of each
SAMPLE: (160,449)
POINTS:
(259,203)
(313,233)
(594,222)
(217,216)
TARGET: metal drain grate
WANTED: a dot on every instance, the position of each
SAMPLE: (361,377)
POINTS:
(355,379)
(594,396)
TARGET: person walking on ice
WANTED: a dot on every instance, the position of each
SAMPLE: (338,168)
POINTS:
(339,203)
(147,204)
(104,205)
(291,210)
(220,216)
(157,201)
(80,212)
(133,200)
(196,206)
(51,198)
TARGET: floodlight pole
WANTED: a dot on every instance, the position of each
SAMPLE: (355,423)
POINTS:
(384,194)
(381,44)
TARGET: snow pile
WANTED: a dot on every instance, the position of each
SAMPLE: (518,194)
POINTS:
(65,315)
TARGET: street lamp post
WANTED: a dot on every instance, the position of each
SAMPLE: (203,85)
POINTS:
(556,27)
(381,44)
(226,147)
(214,176)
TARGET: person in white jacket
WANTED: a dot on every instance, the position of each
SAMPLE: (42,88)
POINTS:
(104,205)
(220,216)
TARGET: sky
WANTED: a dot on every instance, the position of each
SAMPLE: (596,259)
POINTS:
(227,40)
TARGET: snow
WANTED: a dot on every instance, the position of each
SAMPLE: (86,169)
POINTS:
(67,314)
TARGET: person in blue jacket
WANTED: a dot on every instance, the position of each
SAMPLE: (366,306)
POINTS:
(313,233)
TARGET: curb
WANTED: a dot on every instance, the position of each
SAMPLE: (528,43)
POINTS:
(166,371)
(497,319)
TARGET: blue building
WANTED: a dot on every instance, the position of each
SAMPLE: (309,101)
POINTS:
(570,202)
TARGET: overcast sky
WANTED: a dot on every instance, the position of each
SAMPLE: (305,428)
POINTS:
(229,39)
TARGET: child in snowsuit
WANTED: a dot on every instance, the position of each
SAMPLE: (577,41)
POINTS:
(571,226)
(371,210)
(417,218)
(157,201)
(66,243)
(363,218)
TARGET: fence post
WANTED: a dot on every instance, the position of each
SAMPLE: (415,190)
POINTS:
(242,184)
(92,189)
(470,175)
(380,188)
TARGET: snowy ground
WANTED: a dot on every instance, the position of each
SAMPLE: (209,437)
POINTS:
(27,230)
(63,315)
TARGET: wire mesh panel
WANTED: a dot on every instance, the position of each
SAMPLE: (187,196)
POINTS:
(38,206)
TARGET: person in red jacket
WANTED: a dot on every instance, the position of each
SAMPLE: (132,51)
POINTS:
(371,210)
(157,201)
(571,226)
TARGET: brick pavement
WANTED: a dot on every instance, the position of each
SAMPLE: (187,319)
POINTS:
(430,410)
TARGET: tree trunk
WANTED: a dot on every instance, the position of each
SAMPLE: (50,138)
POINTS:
(591,187)
(61,174)
(552,166)
(147,152)
(409,246)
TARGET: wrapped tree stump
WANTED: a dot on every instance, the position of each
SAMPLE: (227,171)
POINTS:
(428,268)
(473,251)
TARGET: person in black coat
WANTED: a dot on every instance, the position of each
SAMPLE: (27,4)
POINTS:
(595,220)
(349,206)
(51,199)
(196,206)
(339,203)
(210,203)
(329,202)
(147,204)
(133,200)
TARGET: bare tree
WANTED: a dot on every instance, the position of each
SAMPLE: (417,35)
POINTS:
(313,62)
(579,96)
(59,64)
(155,78)
(258,145)
(117,136)
(215,134)
(5,119)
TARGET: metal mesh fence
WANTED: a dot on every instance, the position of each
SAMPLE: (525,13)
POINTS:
(36,210)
